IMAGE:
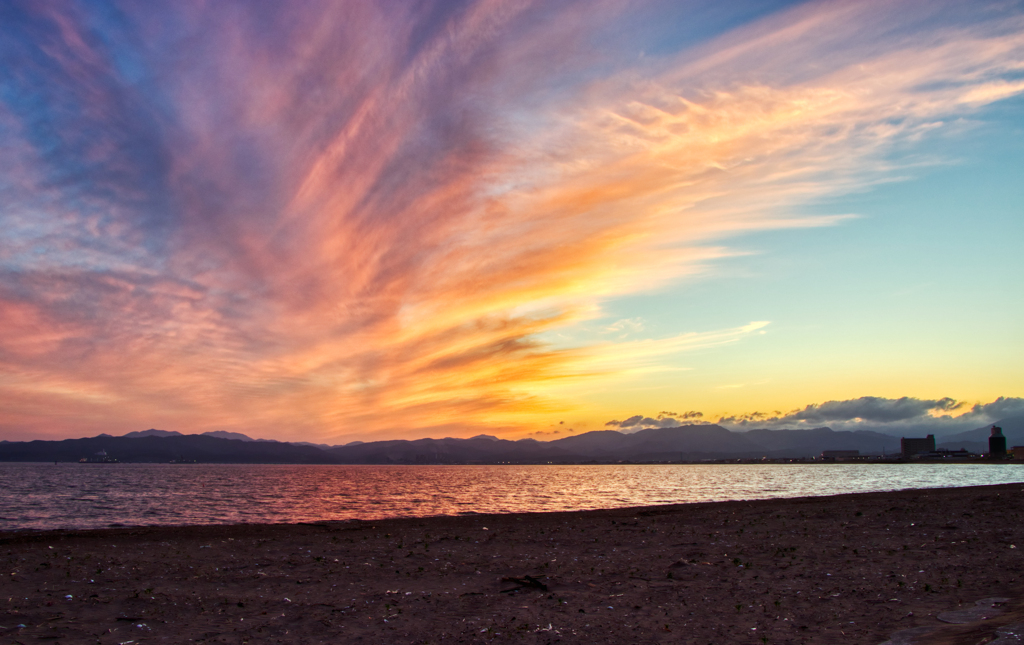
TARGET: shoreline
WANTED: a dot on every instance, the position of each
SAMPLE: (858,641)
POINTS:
(724,461)
(44,498)
(857,567)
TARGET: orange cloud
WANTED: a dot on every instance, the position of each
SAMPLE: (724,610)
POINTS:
(354,223)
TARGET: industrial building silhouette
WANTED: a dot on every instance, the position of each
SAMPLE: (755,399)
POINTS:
(912,446)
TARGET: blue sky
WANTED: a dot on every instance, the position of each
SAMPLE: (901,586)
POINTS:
(345,220)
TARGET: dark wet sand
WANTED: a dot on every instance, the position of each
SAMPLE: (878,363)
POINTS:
(849,569)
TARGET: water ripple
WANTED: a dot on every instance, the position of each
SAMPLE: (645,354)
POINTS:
(48,496)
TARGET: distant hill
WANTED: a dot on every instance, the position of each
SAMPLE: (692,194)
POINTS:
(684,443)
(814,441)
(152,432)
(690,443)
(1012,427)
(221,434)
(977,440)
(163,448)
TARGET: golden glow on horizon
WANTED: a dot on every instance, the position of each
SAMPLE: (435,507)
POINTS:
(357,290)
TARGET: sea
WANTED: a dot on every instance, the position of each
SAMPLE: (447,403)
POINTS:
(78,496)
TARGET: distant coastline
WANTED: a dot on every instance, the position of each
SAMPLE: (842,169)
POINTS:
(705,443)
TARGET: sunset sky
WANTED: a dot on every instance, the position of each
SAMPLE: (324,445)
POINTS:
(330,221)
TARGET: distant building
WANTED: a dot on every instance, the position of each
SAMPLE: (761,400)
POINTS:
(839,454)
(911,446)
(997,444)
(944,453)
(1017,452)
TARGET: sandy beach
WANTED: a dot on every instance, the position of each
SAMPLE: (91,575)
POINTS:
(852,569)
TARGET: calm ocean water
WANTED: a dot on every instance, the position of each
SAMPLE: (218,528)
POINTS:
(47,496)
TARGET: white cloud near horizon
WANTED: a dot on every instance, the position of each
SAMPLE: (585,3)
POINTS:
(367,228)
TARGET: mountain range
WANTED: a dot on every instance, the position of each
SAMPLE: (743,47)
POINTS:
(977,440)
(683,443)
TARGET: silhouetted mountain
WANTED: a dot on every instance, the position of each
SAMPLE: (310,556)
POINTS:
(221,434)
(596,442)
(1012,427)
(321,446)
(701,441)
(977,440)
(448,451)
(152,432)
(685,443)
(658,444)
(161,449)
(813,442)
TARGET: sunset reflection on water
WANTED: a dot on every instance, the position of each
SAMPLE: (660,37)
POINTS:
(46,496)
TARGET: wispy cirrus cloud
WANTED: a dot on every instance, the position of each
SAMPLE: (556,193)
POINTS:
(348,218)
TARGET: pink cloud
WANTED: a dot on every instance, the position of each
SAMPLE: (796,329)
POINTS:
(343,220)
